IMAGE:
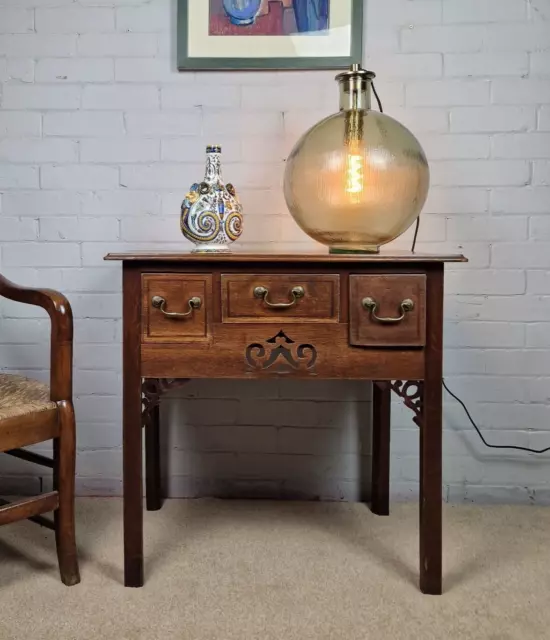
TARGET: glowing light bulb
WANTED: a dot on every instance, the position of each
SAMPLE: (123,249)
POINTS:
(355,176)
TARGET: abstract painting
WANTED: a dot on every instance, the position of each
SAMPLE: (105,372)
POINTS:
(268,17)
(284,34)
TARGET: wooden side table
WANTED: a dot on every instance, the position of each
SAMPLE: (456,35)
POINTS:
(376,317)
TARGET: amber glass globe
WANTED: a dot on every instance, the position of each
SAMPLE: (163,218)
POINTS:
(358,179)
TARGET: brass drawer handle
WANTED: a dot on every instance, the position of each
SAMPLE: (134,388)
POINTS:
(296,293)
(371,305)
(160,303)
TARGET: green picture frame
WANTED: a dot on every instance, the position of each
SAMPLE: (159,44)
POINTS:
(187,63)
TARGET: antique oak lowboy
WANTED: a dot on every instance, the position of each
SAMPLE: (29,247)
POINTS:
(372,317)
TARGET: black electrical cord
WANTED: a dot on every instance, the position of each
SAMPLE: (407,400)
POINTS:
(491,446)
(380,108)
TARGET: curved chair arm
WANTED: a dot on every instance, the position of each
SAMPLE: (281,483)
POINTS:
(61,316)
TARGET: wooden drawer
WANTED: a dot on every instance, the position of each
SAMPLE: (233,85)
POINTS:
(270,298)
(388,310)
(188,296)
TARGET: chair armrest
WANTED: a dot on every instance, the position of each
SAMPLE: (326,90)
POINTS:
(61,349)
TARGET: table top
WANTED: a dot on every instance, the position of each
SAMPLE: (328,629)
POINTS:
(325,257)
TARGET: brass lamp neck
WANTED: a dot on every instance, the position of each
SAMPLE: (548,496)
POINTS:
(355,89)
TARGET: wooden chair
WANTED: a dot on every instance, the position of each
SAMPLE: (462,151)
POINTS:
(30,412)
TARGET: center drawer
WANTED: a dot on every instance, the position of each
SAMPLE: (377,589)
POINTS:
(270,297)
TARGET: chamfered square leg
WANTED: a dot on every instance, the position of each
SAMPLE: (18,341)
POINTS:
(153,463)
(381,414)
(431,442)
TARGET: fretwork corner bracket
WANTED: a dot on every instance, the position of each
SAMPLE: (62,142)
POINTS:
(152,390)
(412,394)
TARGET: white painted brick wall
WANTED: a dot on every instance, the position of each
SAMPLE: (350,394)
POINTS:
(99,139)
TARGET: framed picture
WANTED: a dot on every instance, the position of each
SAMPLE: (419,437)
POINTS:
(269,34)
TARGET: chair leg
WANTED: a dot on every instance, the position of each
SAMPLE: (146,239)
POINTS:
(64,483)
(153,470)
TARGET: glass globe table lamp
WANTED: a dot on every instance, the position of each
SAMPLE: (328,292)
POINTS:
(357,179)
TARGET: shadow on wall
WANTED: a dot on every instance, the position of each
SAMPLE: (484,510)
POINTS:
(241,439)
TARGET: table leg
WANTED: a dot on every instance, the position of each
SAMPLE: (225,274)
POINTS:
(153,471)
(431,444)
(381,412)
(132,432)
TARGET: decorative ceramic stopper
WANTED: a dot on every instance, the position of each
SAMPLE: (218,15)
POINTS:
(211,214)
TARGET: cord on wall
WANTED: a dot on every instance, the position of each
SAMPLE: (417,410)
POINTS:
(462,404)
(491,446)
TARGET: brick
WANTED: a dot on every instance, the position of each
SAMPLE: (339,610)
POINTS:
(92,330)
(490,388)
(14,229)
(19,124)
(538,282)
(160,176)
(79,177)
(485,335)
(74,70)
(539,227)
(480,173)
(517,37)
(541,173)
(538,334)
(422,120)
(121,150)
(544,118)
(104,280)
(84,124)
(486,64)
(190,148)
(15,20)
(451,147)
(487,228)
(181,123)
(486,282)
(132,45)
(409,65)
(121,202)
(484,11)
(443,38)
(152,70)
(74,19)
(457,200)
(521,200)
(238,122)
(148,18)
(394,12)
(38,254)
(142,230)
(527,255)
(34,45)
(492,119)
(173,97)
(272,98)
(19,150)
(20,69)
(41,97)
(521,145)
(446,93)
(13,177)
(517,362)
(540,64)
(521,91)
(120,97)
(77,229)
(97,305)
(41,203)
